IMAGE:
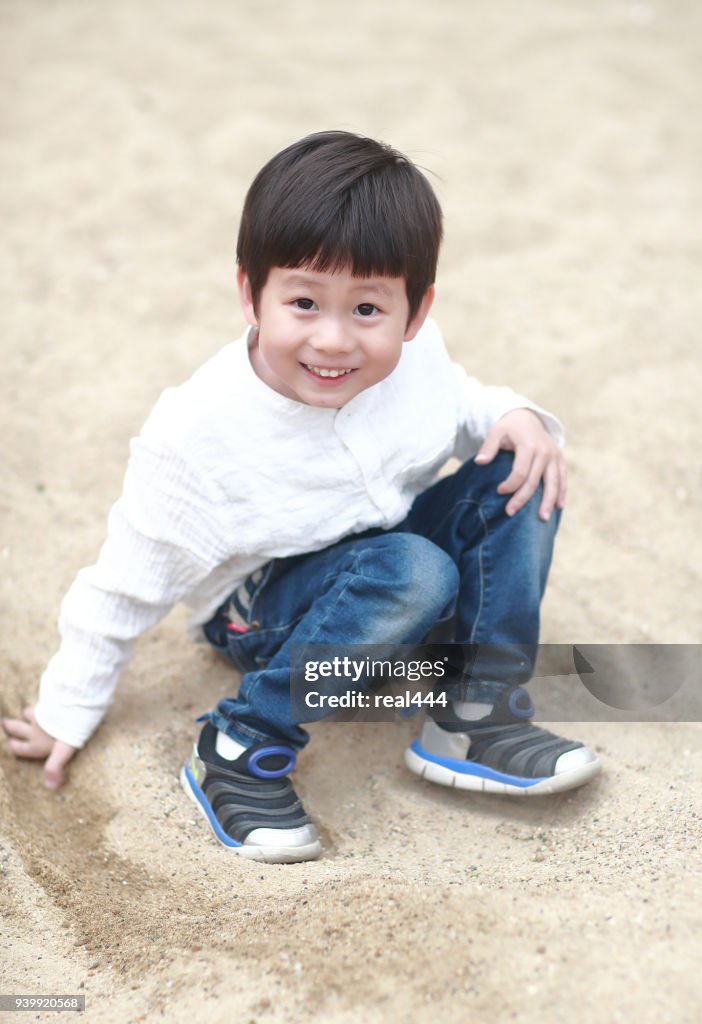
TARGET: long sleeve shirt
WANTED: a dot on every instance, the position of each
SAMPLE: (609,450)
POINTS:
(227,474)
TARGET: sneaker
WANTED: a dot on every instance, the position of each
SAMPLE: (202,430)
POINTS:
(501,752)
(249,803)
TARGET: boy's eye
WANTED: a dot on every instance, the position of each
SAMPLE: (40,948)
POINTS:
(366,309)
(303,303)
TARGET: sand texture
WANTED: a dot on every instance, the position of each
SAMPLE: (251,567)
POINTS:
(565,143)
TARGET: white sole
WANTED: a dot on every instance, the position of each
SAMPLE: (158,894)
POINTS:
(444,776)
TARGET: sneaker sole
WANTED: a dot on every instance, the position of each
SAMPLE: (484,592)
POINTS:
(478,778)
(270,854)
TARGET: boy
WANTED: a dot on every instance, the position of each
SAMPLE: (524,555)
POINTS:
(287,492)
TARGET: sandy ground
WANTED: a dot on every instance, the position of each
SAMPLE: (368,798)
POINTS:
(565,140)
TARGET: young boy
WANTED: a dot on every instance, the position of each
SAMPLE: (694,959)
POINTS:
(288,493)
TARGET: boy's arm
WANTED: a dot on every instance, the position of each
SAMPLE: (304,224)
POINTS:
(162,542)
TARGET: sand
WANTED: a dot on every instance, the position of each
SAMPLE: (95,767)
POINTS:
(564,140)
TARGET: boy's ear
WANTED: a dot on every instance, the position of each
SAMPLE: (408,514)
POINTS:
(421,314)
(246,297)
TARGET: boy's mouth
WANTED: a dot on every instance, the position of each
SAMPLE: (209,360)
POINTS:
(326,372)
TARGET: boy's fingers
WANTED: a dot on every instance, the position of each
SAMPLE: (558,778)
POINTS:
(521,468)
(16,728)
(528,488)
(26,747)
(489,449)
(28,713)
(563,484)
(57,760)
(20,748)
(551,490)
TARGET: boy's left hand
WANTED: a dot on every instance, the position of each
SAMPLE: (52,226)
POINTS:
(27,739)
(536,457)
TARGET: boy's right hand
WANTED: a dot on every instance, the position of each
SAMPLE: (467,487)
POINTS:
(27,739)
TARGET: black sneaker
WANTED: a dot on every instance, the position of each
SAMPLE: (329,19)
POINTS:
(250,804)
(500,753)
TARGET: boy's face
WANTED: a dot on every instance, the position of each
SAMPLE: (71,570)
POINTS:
(324,337)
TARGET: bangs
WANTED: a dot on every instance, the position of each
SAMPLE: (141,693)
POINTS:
(363,226)
(364,248)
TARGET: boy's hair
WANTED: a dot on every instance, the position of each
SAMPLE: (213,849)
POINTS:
(335,201)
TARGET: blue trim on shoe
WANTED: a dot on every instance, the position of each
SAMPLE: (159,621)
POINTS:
(474,768)
(202,800)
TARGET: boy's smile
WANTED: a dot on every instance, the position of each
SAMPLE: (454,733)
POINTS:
(323,336)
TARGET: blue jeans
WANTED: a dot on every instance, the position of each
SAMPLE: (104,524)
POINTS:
(457,557)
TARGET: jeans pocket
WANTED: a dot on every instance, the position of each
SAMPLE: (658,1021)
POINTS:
(253,649)
(241,649)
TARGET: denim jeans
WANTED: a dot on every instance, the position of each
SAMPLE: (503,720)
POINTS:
(457,557)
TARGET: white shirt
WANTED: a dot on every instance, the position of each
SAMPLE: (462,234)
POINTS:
(227,474)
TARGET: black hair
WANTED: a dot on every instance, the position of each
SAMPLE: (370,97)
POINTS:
(335,200)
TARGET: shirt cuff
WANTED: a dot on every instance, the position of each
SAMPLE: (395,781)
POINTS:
(73,724)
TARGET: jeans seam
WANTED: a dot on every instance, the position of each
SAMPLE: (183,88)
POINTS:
(482,574)
(336,602)
(353,571)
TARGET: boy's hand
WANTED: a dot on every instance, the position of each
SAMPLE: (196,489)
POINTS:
(27,739)
(536,457)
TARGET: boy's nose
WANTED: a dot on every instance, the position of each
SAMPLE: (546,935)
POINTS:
(330,337)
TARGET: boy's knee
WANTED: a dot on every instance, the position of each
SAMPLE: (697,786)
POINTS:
(491,474)
(481,483)
(421,569)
